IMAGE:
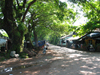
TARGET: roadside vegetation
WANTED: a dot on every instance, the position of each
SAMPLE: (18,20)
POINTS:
(36,20)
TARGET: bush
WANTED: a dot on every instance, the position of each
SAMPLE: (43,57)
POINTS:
(23,55)
(2,58)
(7,56)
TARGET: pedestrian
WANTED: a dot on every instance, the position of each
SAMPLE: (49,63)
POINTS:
(44,49)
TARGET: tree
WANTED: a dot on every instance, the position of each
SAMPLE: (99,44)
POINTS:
(14,19)
(14,12)
(91,11)
(47,18)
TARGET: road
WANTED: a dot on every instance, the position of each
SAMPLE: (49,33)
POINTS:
(57,61)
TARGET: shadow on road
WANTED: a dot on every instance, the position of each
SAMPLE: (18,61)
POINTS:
(58,61)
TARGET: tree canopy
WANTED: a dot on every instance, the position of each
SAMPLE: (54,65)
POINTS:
(43,18)
(47,18)
(91,11)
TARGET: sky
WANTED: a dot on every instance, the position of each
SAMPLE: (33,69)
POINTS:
(82,19)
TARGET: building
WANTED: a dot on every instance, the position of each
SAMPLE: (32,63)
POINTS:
(63,39)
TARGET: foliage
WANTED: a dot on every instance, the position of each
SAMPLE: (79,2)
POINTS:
(3,33)
(54,38)
(89,27)
(19,17)
(2,58)
(12,17)
(48,18)
(4,55)
(7,56)
(91,9)
(23,55)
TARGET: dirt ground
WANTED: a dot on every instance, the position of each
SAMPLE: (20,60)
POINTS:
(57,61)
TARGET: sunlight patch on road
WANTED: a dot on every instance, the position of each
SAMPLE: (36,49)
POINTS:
(54,72)
(75,55)
(57,58)
(87,73)
(11,60)
(27,72)
(96,59)
(76,59)
(64,65)
(33,73)
(88,67)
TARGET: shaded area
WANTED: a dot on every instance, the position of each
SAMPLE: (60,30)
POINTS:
(59,61)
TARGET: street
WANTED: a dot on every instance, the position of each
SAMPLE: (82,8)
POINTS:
(57,61)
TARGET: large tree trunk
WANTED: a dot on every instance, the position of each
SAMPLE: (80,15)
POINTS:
(11,28)
(28,38)
(17,43)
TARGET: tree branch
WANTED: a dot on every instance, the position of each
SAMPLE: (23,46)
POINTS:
(17,3)
(27,10)
(31,17)
(92,6)
(24,3)
(14,7)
